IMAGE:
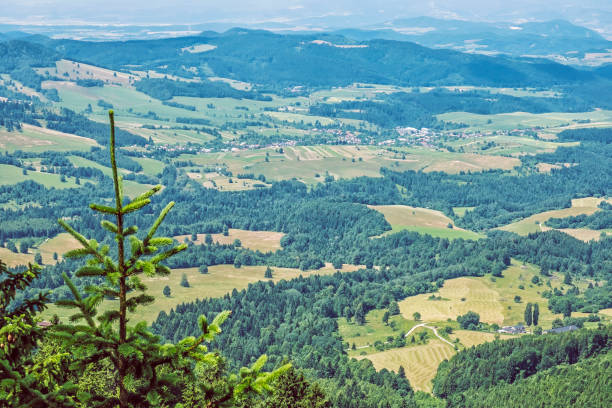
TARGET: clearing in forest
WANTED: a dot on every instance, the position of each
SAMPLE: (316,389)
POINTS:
(422,220)
(420,362)
(220,280)
(493,298)
(535,223)
(264,241)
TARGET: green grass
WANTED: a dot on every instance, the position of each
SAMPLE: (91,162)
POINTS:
(460,211)
(13,175)
(220,280)
(35,139)
(509,121)
(374,330)
(423,221)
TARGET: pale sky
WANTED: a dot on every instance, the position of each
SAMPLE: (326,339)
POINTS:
(349,12)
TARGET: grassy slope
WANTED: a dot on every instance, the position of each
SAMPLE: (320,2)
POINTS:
(220,280)
(264,241)
(493,300)
(12,175)
(422,220)
(535,222)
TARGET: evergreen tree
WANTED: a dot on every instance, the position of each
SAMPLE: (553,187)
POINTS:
(184,281)
(166,291)
(567,279)
(268,273)
(416,316)
(394,308)
(208,239)
(536,314)
(360,313)
(385,317)
(528,314)
(10,245)
(401,372)
(203,269)
(24,384)
(23,247)
(145,371)
(38,258)
(225,231)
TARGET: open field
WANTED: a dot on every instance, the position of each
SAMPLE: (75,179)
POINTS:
(373,330)
(219,280)
(220,182)
(469,338)
(264,241)
(310,164)
(59,244)
(420,362)
(422,220)
(579,206)
(517,120)
(12,175)
(506,145)
(492,298)
(37,139)
(460,211)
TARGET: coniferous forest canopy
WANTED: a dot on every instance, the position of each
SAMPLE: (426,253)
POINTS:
(341,219)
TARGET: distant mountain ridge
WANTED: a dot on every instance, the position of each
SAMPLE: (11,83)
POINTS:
(316,60)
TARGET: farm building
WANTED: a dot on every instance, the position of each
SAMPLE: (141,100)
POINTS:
(512,329)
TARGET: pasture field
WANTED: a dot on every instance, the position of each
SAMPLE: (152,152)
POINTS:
(422,220)
(535,223)
(220,182)
(59,244)
(37,139)
(507,145)
(492,298)
(518,120)
(150,166)
(12,175)
(420,362)
(219,280)
(469,338)
(310,164)
(264,241)
(460,211)
(373,330)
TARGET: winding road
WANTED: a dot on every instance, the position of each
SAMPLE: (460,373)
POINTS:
(435,331)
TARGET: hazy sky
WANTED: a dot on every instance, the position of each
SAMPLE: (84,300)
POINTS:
(290,11)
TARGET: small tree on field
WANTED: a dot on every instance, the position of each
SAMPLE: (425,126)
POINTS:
(268,273)
(23,247)
(385,317)
(536,314)
(184,281)
(203,269)
(167,291)
(38,258)
(208,239)
(416,316)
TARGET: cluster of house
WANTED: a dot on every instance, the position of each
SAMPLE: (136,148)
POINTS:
(518,329)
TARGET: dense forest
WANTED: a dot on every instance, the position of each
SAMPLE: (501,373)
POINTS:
(466,377)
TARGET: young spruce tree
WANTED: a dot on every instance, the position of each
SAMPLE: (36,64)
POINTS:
(146,370)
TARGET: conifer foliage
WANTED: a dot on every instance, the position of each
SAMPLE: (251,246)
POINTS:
(146,370)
